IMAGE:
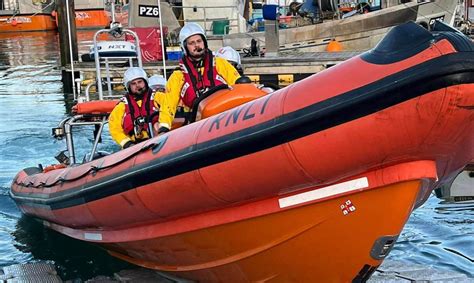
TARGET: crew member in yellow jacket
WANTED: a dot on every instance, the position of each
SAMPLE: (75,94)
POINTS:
(199,71)
(132,119)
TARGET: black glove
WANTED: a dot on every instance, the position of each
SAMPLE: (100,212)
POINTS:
(128,144)
(163,130)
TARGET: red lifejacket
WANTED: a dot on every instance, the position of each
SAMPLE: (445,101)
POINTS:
(135,114)
(194,82)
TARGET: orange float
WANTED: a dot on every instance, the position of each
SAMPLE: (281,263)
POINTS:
(95,107)
(53,167)
(311,182)
(334,46)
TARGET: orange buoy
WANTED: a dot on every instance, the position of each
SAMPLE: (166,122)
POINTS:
(14,22)
(334,46)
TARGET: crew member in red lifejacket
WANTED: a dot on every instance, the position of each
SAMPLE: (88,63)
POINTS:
(199,70)
(129,121)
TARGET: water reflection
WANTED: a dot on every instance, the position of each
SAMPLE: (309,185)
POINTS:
(440,235)
(72,258)
(28,48)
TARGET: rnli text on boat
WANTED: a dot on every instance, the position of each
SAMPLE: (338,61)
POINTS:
(234,115)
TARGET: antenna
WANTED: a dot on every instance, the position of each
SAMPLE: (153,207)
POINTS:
(162,41)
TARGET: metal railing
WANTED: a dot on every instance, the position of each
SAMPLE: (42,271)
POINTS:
(208,19)
(9,5)
(107,60)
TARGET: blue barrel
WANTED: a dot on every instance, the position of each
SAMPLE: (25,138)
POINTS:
(270,12)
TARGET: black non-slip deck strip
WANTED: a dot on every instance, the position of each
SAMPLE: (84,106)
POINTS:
(432,75)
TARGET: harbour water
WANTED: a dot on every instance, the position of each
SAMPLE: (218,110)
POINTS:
(32,102)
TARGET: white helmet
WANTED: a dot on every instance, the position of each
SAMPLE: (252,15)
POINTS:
(188,30)
(157,81)
(229,54)
(134,73)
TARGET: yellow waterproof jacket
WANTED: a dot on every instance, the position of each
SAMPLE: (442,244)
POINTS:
(175,84)
(116,121)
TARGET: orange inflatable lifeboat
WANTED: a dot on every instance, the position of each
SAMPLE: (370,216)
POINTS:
(313,181)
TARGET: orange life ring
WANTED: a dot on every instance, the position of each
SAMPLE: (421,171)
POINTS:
(53,167)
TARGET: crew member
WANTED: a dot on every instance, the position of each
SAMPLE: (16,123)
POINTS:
(157,83)
(232,56)
(132,119)
(199,71)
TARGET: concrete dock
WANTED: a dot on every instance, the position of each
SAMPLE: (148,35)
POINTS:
(283,69)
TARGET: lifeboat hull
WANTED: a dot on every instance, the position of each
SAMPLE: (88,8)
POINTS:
(92,19)
(284,239)
(315,180)
(27,22)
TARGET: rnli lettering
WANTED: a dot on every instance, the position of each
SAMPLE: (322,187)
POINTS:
(148,11)
(234,115)
(18,20)
(156,147)
(249,112)
(265,104)
(82,16)
(217,121)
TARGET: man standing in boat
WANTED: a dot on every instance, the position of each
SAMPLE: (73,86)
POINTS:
(199,71)
(131,120)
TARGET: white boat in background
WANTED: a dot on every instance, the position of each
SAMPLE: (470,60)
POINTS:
(438,10)
(460,189)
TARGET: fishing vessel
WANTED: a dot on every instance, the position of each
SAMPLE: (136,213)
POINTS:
(361,31)
(315,180)
(41,15)
(23,15)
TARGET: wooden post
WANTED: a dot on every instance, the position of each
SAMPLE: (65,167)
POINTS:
(247,15)
(65,46)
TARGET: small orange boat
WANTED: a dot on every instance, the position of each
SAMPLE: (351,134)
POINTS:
(27,16)
(91,14)
(41,16)
(311,182)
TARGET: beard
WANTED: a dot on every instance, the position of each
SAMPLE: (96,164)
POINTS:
(139,92)
(197,53)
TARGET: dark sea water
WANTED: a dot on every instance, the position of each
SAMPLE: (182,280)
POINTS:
(32,102)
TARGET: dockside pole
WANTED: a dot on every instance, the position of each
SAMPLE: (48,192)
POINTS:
(67,41)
